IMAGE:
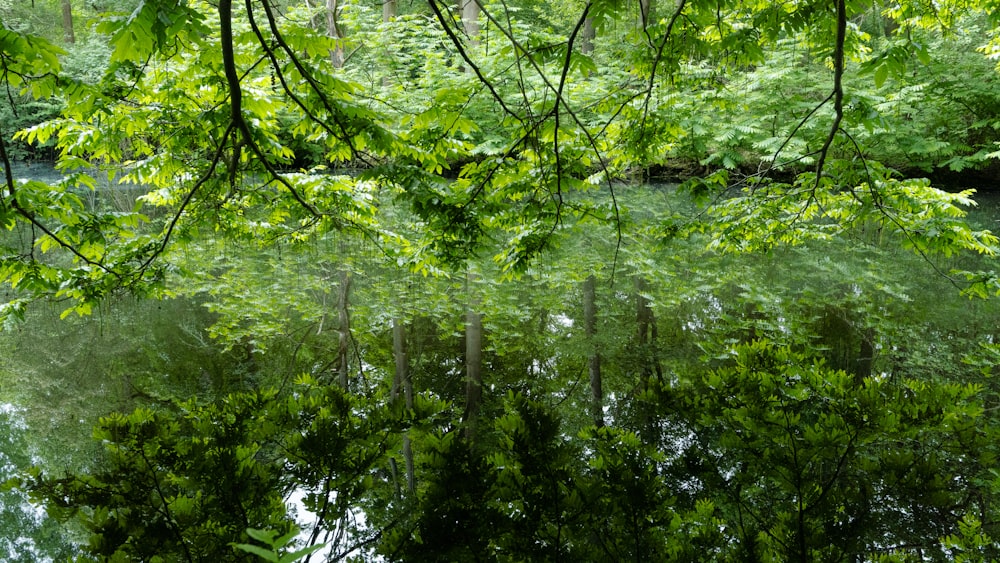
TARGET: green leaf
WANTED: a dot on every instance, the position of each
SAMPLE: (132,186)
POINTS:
(881,73)
(259,551)
(296,555)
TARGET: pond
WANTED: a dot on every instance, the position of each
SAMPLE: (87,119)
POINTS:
(850,304)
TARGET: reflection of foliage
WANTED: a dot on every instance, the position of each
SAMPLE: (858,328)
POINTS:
(174,484)
(185,483)
(531,496)
(131,353)
(811,464)
(799,398)
(29,534)
(773,455)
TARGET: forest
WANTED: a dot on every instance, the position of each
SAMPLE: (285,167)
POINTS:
(499,280)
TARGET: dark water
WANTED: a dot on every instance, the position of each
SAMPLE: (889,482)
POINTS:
(986,215)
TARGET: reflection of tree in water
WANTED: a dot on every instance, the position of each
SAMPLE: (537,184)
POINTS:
(39,537)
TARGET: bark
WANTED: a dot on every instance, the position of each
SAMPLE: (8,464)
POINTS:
(403,383)
(67,18)
(343,340)
(593,357)
(645,9)
(315,17)
(587,36)
(389,10)
(333,31)
(473,364)
(470,18)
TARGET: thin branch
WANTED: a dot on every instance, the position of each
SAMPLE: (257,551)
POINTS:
(559,96)
(468,60)
(280,75)
(236,108)
(307,75)
(790,136)
(659,56)
(838,88)
(561,101)
(187,198)
(30,216)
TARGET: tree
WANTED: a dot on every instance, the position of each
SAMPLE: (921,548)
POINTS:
(67,18)
(546,98)
(334,31)
(495,153)
(470,18)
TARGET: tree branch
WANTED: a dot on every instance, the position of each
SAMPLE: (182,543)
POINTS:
(838,88)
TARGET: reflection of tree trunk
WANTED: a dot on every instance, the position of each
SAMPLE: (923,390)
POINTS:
(849,345)
(646,335)
(593,357)
(333,31)
(473,362)
(67,18)
(403,382)
(345,326)
(646,344)
(866,357)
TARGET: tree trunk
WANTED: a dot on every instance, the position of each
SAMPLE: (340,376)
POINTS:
(470,18)
(333,31)
(67,18)
(389,12)
(645,9)
(314,14)
(402,382)
(345,327)
(593,357)
(587,36)
(473,363)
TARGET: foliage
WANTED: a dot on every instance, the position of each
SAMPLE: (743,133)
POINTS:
(276,545)
(787,374)
(804,463)
(535,497)
(187,482)
(489,143)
